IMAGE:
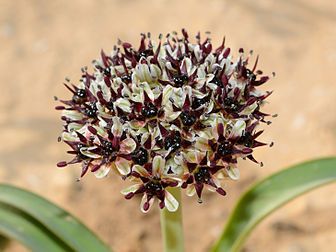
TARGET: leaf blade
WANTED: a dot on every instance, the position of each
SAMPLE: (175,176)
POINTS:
(26,230)
(270,194)
(66,227)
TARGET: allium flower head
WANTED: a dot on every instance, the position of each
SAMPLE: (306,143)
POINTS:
(172,112)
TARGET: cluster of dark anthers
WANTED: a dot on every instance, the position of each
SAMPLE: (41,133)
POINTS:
(169,114)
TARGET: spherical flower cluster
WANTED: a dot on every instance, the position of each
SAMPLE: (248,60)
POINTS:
(169,114)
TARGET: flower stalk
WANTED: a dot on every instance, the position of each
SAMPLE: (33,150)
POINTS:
(171,225)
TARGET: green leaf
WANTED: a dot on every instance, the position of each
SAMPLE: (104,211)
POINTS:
(19,226)
(3,242)
(270,194)
(60,223)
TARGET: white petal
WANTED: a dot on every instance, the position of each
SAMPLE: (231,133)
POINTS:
(189,65)
(171,115)
(248,110)
(132,188)
(148,91)
(141,170)
(103,171)
(139,72)
(155,71)
(74,126)
(209,107)
(238,128)
(233,173)
(158,165)
(69,136)
(202,144)
(256,93)
(117,127)
(191,190)
(143,200)
(167,91)
(170,202)
(124,105)
(86,151)
(123,166)
(136,124)
(127,146)
(190,156)
(146,73)
(72,114)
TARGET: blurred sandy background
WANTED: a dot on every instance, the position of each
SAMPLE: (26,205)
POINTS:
(42,42)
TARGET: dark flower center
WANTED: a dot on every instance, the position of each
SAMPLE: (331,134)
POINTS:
(145,53)
(140,156)
(149,110)
(250,75)
(80,145)
(153,187)
(107,71)
(217,81)
(197,102)
(202,175)
(180,79)
(188,119)
(225,149)
(92,110)
(80,155)
(126,78)
(173,142)
(230,104)
(246,140)
(109,104)
(107,148)
(79,97)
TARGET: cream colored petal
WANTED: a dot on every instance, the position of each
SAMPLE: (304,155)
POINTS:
(143,201)
(238,128)
(158,165)
(249,109)
(139,72)
(141,170)
(135,124)
(72,114)
(103,170)
(191,190)
(124,105)
(170,115)
(233,173)
(69,136)
(123,166)
(127,146)
(74,126)
(148,91)
(132,188)
(170,202)
(86,152)
(155,71)
(202,144)
(167,92)
(117,128)
(190,156)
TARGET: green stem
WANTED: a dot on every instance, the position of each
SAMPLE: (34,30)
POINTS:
(171,225)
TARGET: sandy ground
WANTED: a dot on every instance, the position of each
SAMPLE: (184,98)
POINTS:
(41,42)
